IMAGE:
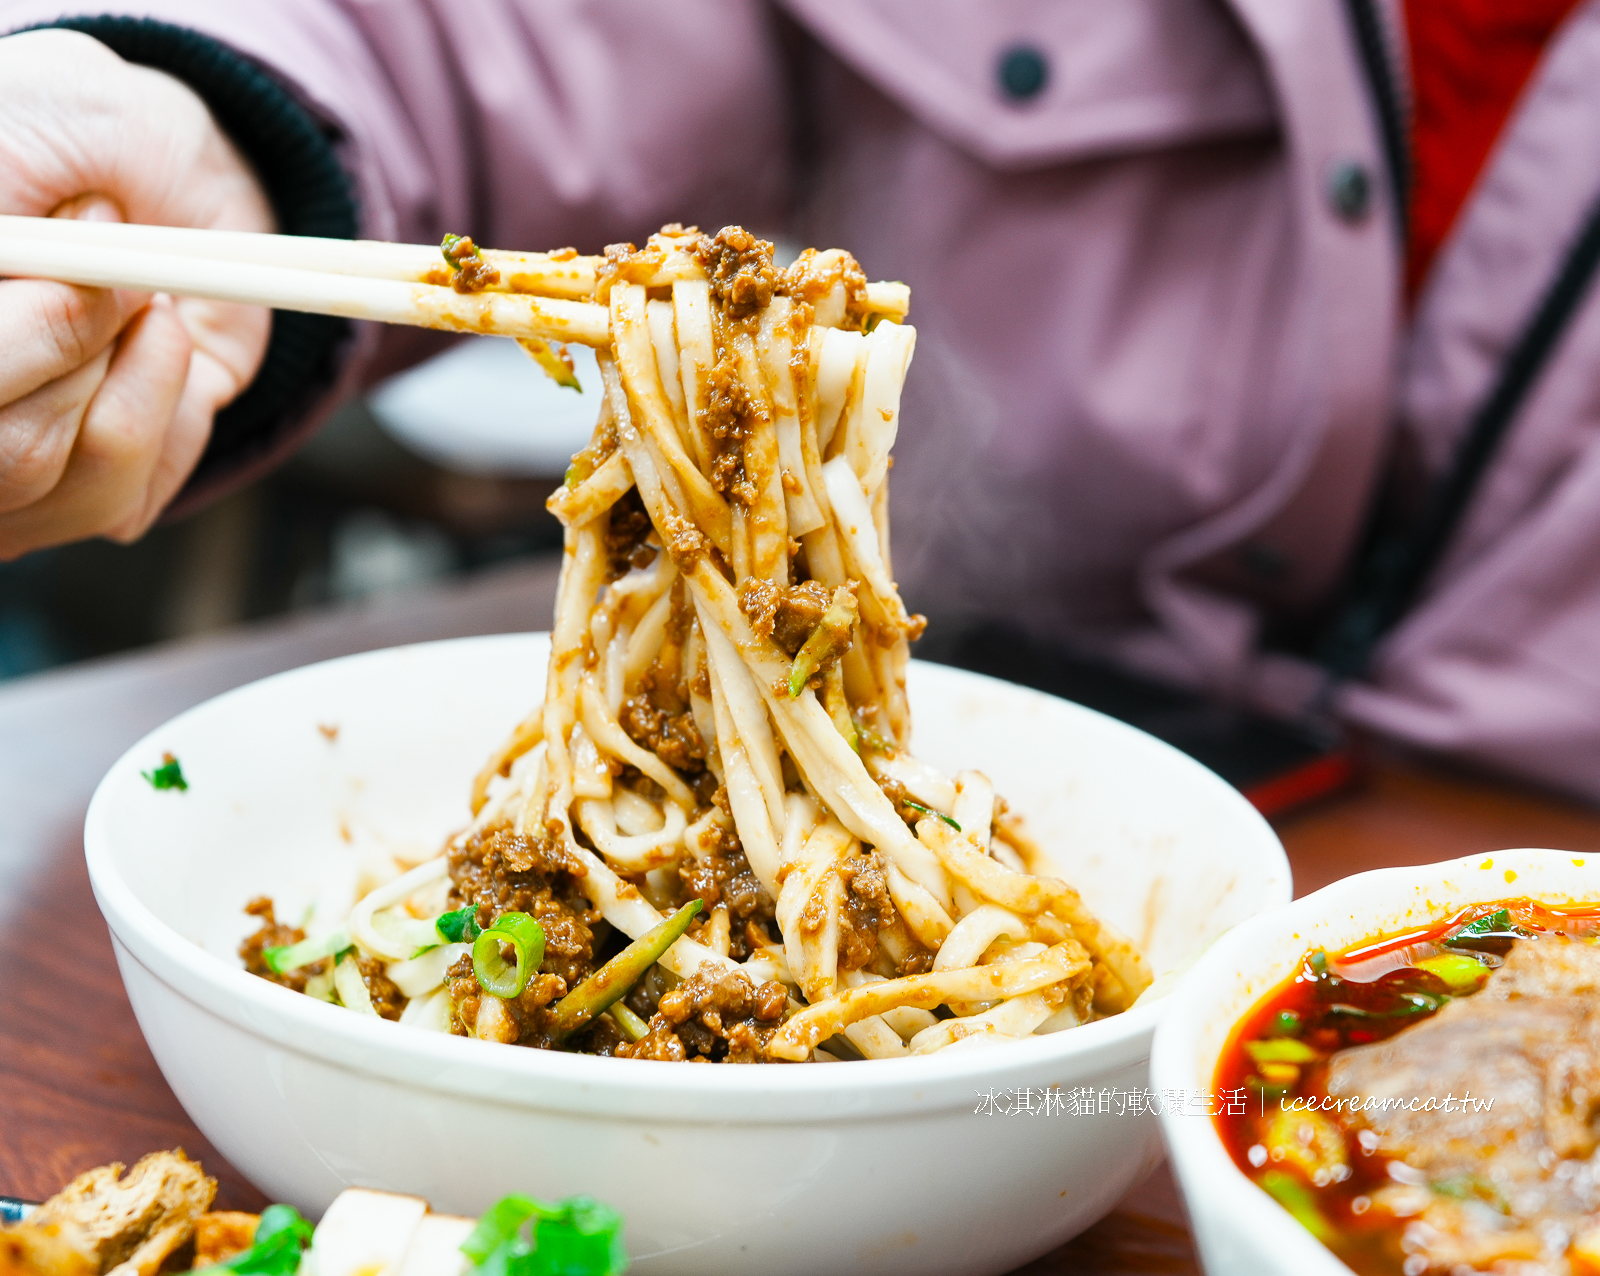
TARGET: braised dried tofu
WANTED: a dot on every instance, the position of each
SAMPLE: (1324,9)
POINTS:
(126,1223)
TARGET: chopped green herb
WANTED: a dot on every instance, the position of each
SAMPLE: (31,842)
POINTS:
(497,1225)
(1495,922)
(524,1237)
(169,775)
(524,935)
(1413,1003)
(1286,1023)
(1318,961)
(460,926)
(281,1236)
(872,740)
(928,810)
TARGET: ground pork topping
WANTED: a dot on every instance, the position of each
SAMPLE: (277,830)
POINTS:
(786,614)
(743,275)
(387,999)
(867,908)
(713,1016)
(274,934)
(626,532)
(502,871)
(721,874)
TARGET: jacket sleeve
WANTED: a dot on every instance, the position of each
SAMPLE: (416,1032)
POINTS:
(527,125)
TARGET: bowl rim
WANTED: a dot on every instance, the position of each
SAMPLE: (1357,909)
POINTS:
(581,1083)
(1213,1187)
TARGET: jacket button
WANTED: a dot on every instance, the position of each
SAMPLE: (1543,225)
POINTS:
(1350,190)
(1022,72)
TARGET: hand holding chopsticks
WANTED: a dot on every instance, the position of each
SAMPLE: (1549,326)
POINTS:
(534,296)
(530,295)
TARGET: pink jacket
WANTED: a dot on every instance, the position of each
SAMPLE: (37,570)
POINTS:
(1161,366)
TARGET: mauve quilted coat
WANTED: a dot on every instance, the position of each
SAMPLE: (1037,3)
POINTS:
(1160,368)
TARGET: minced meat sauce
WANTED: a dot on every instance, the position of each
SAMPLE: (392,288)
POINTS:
(721,874)
(712,1017)
(387,999)
(786,614)
(502,871)
(274,934)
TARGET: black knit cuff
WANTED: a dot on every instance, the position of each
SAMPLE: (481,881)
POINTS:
(293,156)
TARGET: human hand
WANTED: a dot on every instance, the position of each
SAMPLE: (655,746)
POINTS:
(107,397)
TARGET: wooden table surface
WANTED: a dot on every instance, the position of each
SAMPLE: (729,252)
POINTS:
(79,1088)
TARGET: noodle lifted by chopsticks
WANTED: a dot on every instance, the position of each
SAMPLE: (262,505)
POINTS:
(725,716)
(725,725)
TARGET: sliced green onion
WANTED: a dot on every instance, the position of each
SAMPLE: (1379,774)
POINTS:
(497,978)
(352,988)
(556,364)
(633,1027)
(320,987)
(838,707)
(412,935)
(460,926)
(293,956)
(828,641)
(928,810)
(608,985)
(281,1236)
(1280,1050)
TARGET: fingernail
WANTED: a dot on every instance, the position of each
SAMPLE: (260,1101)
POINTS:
(91,207)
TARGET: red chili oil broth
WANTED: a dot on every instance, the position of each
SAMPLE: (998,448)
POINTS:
(1342,1005)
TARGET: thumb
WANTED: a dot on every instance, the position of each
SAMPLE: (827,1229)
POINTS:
(89,207)
(92,206)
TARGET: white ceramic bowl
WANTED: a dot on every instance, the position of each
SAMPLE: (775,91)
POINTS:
(868,1167)
(1240,1230)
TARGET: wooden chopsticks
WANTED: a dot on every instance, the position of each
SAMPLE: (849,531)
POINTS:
(537,294)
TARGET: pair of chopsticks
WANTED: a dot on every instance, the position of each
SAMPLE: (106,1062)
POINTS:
(538,294)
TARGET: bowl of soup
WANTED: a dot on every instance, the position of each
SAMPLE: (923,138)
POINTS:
(1396,1075)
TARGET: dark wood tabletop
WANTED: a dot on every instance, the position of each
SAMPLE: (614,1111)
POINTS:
(79,1088)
